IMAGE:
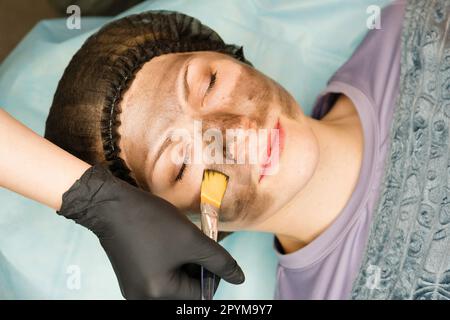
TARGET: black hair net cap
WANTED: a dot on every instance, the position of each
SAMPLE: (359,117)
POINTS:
(84,115)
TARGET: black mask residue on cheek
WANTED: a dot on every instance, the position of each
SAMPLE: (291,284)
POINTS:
(241,201)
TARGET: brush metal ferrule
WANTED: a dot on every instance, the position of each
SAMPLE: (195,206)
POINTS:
(209,220)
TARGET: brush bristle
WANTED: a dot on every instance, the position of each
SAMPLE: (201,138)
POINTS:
(214,185)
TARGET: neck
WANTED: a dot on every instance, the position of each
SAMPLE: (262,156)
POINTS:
(315,207)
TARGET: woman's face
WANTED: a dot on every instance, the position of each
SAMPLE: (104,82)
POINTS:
(176,109)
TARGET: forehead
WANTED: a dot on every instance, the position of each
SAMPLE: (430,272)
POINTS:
(156,80)
(152,93)
(152,96)
(148,107)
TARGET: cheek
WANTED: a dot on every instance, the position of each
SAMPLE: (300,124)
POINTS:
(243,202)
(247,207)
(221,96)
(241,90)
(185,194)
(289,107)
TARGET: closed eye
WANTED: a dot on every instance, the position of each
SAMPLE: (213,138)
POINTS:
(180,174)
(212,82)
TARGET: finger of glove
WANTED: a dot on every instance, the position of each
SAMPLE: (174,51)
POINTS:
(216,259)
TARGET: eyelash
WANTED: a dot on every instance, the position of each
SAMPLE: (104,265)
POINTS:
(212,82)
(180,174)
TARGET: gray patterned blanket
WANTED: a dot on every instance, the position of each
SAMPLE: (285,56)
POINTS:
(408,250)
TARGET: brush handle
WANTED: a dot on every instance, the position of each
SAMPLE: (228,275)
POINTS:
(209,219)
(208,284)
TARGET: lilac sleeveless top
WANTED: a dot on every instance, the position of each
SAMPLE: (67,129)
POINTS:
(327,267)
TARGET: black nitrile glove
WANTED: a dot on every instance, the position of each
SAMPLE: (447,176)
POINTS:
(148,241)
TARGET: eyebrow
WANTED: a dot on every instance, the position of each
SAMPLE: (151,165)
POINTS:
(186,85)
(161,150)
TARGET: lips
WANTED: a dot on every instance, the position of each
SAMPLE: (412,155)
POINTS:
(275,145)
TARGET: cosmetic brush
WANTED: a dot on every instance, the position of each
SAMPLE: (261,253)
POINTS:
(214,185)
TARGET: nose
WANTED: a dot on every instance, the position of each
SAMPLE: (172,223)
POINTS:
(247,123)
(237,141)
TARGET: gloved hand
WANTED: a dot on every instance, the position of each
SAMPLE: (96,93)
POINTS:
(147,240)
